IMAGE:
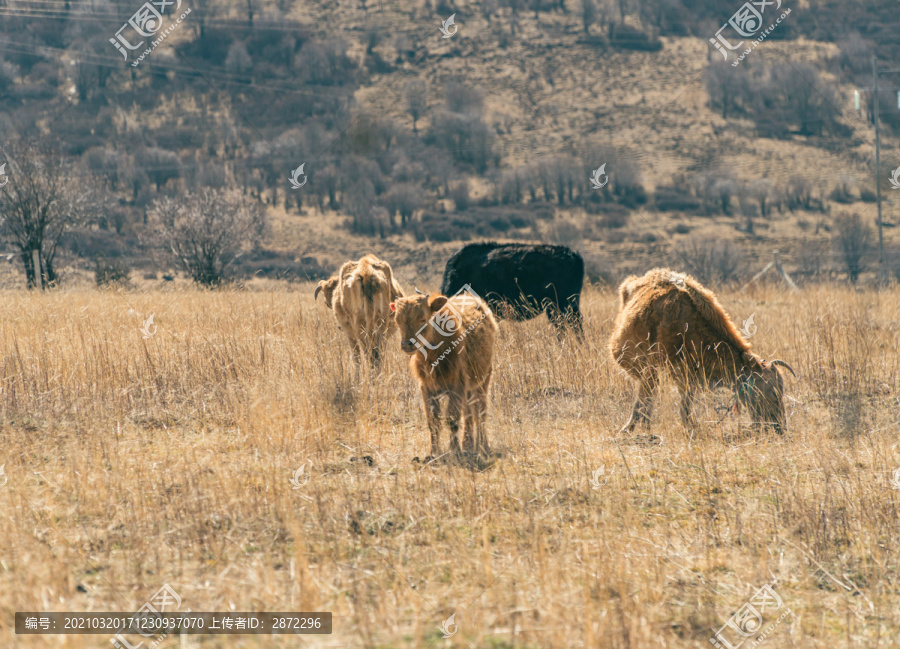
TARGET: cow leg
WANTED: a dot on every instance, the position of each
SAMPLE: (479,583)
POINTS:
(643,406)
(454,412)
(433,416)
(479,408)
(575,321)
(557,319)
(469,422)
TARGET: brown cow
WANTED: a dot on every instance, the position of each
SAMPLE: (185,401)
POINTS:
(668,321)
(360,295)
(451,341)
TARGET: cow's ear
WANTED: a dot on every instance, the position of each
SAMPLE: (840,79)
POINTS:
(393,307)
(436,302)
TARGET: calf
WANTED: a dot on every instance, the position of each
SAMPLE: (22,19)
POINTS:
(360,295)
(451,341)
(669,322)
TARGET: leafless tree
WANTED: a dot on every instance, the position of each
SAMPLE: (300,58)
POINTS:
(712,261)
(416,101)
(728,89)
(43,198)
(207,231)
(854,239)
(403,198)
(588,14)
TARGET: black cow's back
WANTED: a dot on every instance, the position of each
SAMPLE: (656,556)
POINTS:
(518,280)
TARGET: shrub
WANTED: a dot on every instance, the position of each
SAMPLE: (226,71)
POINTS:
(853,239)
(712,261)
(111,272)
(675,199)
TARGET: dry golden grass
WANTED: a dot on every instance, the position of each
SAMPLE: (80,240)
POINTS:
(134,462)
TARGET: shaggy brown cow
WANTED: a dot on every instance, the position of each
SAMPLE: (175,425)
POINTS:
(360,295)
(668,321)
(451,341)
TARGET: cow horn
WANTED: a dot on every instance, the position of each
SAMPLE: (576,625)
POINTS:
(418,291)
(783,364)
(318,288)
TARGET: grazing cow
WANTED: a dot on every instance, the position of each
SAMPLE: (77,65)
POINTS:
(668,321)
(451,341)
(360,295)
(519,281)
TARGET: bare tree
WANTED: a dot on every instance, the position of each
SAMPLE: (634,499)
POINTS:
(40,202)
(207,231)
(416,101)
(728,89)
(588,14)
(403,198)
(712,261)
(854,239)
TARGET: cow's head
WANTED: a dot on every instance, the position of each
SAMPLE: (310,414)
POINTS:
(412,313)
(760,389)
(327,287)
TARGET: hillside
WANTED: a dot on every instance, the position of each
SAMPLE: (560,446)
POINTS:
(512,114)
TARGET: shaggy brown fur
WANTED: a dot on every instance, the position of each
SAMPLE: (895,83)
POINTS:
(668,321)
(452,344)
(360,295)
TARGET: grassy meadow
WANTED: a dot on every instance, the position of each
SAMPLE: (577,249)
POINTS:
(135,461)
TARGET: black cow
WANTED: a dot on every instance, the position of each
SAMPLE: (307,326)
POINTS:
(519,281)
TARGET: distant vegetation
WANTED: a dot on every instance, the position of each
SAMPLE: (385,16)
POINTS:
(248,93)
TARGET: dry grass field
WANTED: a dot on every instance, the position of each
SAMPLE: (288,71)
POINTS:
(131,462)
